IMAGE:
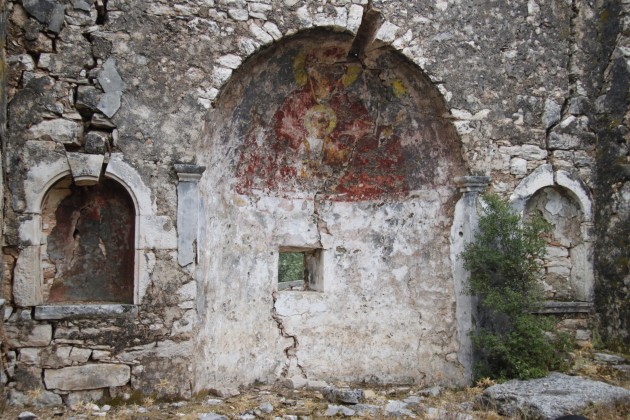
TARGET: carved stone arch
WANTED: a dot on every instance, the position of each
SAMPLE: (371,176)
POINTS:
(359,21)
(39,180)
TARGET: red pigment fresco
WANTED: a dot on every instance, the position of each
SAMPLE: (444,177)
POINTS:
(323,138)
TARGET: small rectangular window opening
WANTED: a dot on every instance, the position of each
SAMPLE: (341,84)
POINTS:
(299,269)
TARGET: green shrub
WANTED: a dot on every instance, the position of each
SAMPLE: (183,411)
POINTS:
(505,264)
(290,266)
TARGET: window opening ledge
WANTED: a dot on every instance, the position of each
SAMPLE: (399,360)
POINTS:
(82,311)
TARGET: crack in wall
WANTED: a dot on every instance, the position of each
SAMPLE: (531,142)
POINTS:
(290,351)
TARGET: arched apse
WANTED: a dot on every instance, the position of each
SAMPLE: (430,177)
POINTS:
(309,118)
(311,150)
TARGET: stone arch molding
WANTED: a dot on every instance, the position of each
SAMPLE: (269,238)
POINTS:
(544,176)
(347,19)
(38,181)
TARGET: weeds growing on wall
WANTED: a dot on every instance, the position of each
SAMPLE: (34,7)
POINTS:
(505,264)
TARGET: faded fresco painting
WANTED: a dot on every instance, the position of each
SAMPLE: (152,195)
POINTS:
(346,130)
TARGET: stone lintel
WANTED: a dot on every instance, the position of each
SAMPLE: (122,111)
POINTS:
(189,172)
(474,183)
(551,307)
(85,311)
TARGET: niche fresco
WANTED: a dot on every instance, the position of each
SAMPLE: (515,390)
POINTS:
(343,128)
(88,254)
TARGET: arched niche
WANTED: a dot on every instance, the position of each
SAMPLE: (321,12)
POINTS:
(88,248)
(352,163)
(51,171)
(564,201)
(563,280)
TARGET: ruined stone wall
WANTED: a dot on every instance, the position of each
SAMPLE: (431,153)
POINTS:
(123,90)
(612,188)
(3,124)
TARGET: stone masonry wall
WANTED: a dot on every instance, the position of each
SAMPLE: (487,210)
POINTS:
(612,189)
(3,123)
(124,90)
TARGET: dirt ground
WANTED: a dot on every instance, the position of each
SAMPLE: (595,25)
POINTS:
(253,402)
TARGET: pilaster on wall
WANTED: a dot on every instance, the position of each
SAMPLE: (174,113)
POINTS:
(187,211)
(462,232)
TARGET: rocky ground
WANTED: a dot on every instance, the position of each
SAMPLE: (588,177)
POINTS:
(300,399)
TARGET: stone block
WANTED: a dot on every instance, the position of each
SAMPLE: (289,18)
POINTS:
(238,14)
(316,385)
(344,395)
(39,9)
(113,310)
(63,131)
(74,53)
(295,382)
(27,378)
(101,45)
(551,114)
(101,355)
(571,141)
(551,397)
(30,335)
(88,98)
(230,61)
(398,409)
(610,359)
(272,29)
(58,358)
(80,355)
(557,252)
(30,356)
(559,270)
(532,152)
(185,324)
(26,285)
(109,79)
(86,169)
(76,399)
(56,18)
(336,410)
(92,376)
(260,34)
(109,103)
(187,291)
(518,166)
(97,142)
(225,392)
(38,399)
(387,32)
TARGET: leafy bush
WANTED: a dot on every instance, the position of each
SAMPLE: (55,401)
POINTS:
(505,264)
(290,266)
